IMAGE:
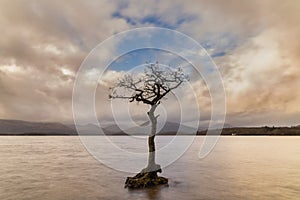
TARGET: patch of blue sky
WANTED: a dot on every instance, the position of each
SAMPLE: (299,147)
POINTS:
(154,20)
(160,22)
(139,56)
(129,20)
(218,54)
(142,56)
(146,39)
(220,44)
(139,43)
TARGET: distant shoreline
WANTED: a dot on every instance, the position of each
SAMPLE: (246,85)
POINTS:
(225,132)
(32,135)
(6,135)
(26,128)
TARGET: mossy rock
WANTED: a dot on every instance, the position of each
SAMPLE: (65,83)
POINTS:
(144,180)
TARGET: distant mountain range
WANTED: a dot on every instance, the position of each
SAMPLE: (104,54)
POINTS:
(18,127)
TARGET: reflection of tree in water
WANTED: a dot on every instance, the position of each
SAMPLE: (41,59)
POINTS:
(153,193)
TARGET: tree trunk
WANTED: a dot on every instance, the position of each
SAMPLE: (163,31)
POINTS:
(152,166)
(148,176)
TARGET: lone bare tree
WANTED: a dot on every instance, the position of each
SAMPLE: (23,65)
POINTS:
(149,88)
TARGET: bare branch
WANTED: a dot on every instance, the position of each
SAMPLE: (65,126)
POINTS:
(151,87)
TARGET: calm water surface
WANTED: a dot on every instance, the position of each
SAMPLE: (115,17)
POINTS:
(46,167)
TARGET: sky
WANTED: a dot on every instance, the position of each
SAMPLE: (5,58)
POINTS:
(255,45)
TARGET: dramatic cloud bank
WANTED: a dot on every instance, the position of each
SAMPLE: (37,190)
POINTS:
(254,43)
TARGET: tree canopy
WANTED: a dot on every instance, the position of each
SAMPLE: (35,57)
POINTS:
(151,86)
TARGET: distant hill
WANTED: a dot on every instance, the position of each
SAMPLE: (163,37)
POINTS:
(258,131)
(113,129)
(204,126)
(168,128)
(18,127)
(89,129)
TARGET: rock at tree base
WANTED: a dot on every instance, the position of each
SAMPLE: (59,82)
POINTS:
(144,180)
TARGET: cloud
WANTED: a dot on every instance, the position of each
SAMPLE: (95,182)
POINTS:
(254,44)
(262,74)
(42,46)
